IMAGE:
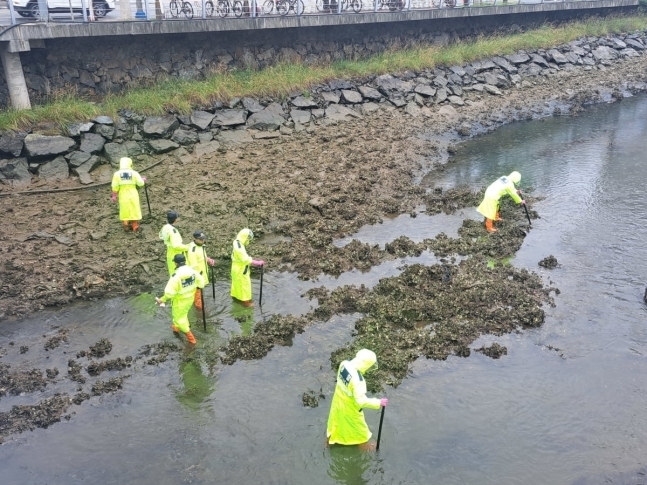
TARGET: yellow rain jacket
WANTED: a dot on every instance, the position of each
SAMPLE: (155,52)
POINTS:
(505,185)
(241,282)
(174,245)
(346,423)
(197,259)
(125,182)
(180,289)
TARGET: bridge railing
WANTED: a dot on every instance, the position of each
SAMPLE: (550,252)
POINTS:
(22,11)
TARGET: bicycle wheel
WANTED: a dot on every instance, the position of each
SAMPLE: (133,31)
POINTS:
(356,5)
(300,8)
(322,6)
(237,8)
(435,3)
(187,8)
(175,8)
(282,7)
(268,6)
(222,8)
(208,8)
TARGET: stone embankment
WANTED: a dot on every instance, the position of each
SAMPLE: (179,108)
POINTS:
(87,146)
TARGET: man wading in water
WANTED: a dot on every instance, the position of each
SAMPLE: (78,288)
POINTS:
(346,423)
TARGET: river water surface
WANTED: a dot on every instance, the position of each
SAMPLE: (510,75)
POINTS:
(566,405)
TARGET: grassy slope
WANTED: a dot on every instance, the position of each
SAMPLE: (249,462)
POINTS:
(282,79)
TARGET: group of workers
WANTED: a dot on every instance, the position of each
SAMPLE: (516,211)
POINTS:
(188,264)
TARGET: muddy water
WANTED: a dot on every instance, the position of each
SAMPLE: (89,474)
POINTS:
(566,405)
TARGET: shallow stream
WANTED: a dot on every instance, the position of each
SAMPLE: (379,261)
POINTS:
(566,405)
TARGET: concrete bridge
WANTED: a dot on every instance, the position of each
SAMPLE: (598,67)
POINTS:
(22,38)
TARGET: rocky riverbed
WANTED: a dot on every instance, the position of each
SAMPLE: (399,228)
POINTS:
(302,171)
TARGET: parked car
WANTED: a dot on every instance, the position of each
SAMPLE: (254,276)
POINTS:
(29,8)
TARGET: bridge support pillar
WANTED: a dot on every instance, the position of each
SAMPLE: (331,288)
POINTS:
(15,78)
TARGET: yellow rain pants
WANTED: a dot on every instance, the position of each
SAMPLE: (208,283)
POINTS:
(241,282)
(180,290)
(346,423)
(174,245)
(125,182)
(490,205)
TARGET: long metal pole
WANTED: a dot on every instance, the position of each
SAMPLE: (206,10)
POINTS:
(85,11)
(379,431)
(148,202)
(204,315)
(12,13)
(213,285)
(260,293)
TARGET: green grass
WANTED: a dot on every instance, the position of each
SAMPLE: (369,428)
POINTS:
(279,81)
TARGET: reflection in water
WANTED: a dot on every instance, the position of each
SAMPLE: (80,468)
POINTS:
(197,387)
(244,316)
(348,464)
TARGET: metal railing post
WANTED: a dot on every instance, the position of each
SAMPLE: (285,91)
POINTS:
(85,11)
(339,6)
(12,13)
(409,5)
(204,10)
(374,5)
(146,9)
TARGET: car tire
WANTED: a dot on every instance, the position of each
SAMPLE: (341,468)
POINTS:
(101,9)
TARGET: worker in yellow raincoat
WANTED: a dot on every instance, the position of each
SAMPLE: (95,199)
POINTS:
(173,240)
(197,258)
(180,290)
(241,282)
(489,208)
(346,423)
(124,184)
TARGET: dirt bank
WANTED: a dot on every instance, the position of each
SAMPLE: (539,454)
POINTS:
(307,189)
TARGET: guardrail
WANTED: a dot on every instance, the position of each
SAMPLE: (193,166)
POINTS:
(21,11)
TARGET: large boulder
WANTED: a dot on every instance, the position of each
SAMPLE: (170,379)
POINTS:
(86,167)
(556,56)
(302,102)
(604,53)
(56,170)
(103,120)
(370,93)
(76,159)
(185,137)
(162,146)
(351,97)
(160,126)
(425,90)
(338,112)
(47,146)
(252,105)
(92,143)
(201,119)
(15,172)
(114,152)
(518,58)
(300,116)
(77,128)
(265,120)
(234,137)
(11,142)
(105,131)
(388,84)
(230,117)
(330,97)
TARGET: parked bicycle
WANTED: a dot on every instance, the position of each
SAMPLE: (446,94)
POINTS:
(392,5)
(448,3)
(283,7)
(224,7)
(208,8)
(269,6)
(180,7)
(330,6)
